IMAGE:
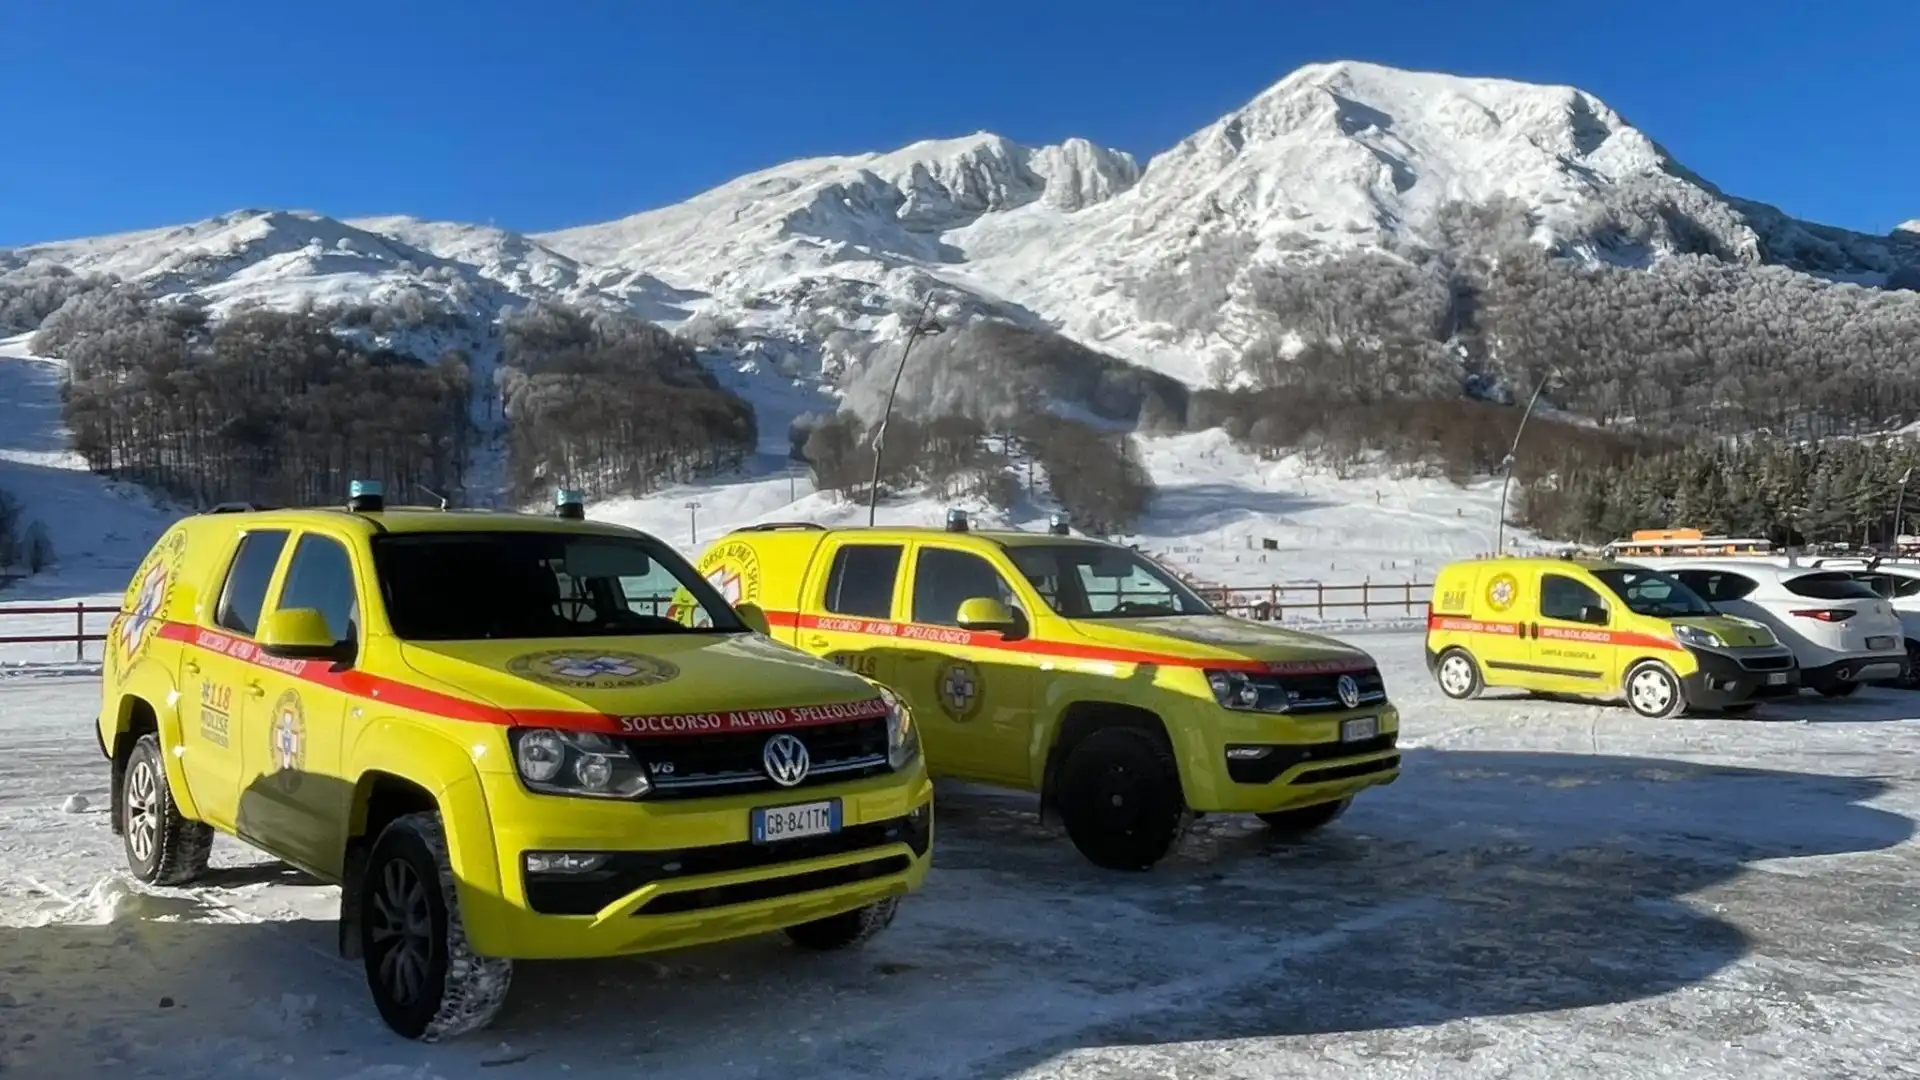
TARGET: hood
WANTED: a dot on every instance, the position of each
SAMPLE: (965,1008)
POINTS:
(1736,632)
(1224,638)
(656,674)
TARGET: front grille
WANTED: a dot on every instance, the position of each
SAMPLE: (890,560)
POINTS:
(1281,757)
(695,766)
(1321,693)
(1776,662)
(626,871)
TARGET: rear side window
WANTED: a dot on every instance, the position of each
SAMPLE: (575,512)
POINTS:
(1717,585)
(321,577)
(245,592)
(860,583)
(1830,586)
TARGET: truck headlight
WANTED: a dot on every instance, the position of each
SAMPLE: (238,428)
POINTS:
(1693,635)
(903,739)
(576,763)
(1240,691)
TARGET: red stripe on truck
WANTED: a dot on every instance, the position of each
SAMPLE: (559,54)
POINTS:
(407,696)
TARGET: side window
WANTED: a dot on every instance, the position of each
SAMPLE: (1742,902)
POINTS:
(1564,598)
(860,582)
(943,579)
(1715,586)
(245,592)
(321,577)
(1904,586)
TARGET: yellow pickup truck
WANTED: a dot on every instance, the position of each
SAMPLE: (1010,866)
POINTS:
(485,728)
(1079,670)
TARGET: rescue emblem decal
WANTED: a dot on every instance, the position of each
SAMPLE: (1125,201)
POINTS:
(155,577)
(1501,591)
(600,670)
(733,570)
(288,746)
(959,688)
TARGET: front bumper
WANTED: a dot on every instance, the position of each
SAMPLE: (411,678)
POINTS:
(1741,675)
(674,874)
(1259,774)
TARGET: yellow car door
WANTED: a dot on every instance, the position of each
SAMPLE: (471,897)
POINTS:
(295,799)
(971,695)
(223,689)
(1497,630)
(852,607)
(1570,636)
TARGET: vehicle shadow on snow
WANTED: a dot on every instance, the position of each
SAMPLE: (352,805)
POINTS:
(1870,705)
(1482,884)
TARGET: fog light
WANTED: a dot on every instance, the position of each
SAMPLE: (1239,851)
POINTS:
(563,862)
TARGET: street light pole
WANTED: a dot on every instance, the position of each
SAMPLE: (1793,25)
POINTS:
(1899,503)
(1500,527)
(922,326)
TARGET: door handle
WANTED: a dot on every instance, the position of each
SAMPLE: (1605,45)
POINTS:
(191,668)
(254,689)
(818,642)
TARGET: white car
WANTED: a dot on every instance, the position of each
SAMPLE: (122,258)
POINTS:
(1899,585)
(1841,631)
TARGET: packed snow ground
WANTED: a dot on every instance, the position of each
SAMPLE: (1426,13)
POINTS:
(1551,890)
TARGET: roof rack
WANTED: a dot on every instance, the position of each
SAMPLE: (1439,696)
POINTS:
(776,526)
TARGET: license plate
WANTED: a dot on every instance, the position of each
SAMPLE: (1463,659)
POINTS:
(1778,678)
(1879,644)
(1359,729)
(775,823)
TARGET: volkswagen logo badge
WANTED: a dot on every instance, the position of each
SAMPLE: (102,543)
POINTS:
(786,760)
(1349,690)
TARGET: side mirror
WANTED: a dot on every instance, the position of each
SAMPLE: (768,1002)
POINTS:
(986,613)
(298,634)
(1593,615)
(755,618)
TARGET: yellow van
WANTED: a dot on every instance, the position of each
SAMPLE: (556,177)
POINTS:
(1079,670)
(1598,628)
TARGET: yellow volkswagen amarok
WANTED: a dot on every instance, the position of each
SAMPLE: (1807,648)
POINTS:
(1598,628)
(484,728)
(1079,670)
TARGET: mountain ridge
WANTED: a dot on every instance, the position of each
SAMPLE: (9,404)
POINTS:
(1149,262)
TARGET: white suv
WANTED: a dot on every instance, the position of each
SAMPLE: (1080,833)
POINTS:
(1899,585)
(1842,632)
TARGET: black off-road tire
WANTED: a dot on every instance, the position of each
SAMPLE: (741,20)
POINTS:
(1302,820)
(163,848)
(452,990)
(1457,674)
(847,929)
(1120,798)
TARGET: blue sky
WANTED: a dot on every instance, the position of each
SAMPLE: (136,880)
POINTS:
(534,115)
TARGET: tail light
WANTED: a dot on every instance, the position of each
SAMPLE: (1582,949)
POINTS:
(1825,614)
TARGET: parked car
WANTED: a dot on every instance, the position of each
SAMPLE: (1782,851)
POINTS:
(1842,632)
(474,725)
(1080,670)
(1899,585)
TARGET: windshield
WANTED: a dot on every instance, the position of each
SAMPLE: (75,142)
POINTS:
(467,586)
(1093,581)
(1650,592)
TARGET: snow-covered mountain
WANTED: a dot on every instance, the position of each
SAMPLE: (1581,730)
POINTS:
(1076,237)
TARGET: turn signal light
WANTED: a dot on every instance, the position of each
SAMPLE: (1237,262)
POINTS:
(1825,614)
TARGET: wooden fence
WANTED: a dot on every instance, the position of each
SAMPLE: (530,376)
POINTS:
(1268,603)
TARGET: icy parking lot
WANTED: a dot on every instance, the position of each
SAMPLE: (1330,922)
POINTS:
(1551,889)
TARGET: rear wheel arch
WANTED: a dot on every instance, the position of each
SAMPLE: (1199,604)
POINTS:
(133,718)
